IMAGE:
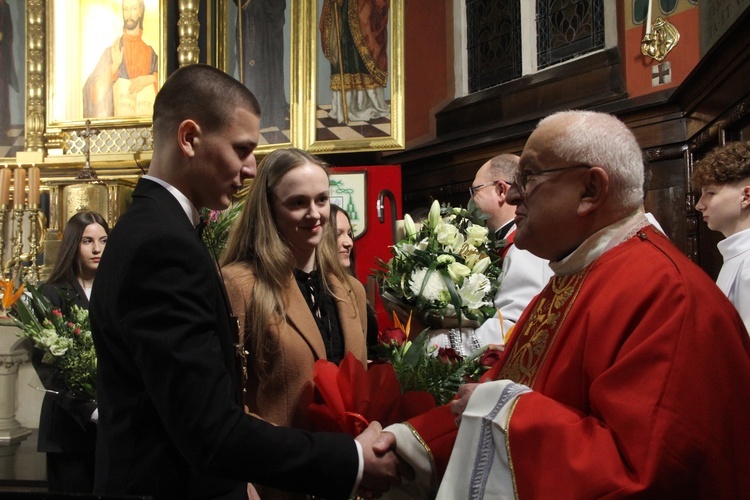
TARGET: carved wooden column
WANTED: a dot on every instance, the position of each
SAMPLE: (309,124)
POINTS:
(188,28)
(35,76)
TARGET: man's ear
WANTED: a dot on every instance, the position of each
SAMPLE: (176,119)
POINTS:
(502,188)
(595,190)
(745,196)
(188,137)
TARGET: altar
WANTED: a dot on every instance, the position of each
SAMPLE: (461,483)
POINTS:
(20,404)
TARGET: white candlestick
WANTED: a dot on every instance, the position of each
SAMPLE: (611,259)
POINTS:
(648,18)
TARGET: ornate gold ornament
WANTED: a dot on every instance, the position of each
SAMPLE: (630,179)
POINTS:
(660,38)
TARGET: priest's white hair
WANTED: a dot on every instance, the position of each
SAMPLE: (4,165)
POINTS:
(601,140)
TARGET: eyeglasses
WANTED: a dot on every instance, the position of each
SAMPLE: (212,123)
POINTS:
(522,176)
(473,189)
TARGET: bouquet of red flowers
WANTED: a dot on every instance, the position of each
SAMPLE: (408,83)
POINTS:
(440,372)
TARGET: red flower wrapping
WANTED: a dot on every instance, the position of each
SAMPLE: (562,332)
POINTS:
(350,397)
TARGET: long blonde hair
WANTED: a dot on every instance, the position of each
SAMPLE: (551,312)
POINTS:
(255,238)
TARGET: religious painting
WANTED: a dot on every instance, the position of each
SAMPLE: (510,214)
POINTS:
(349,191)
(106,60)
(12,78)
(356,92)
(255,45)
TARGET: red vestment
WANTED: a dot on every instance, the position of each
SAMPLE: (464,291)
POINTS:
(640,370)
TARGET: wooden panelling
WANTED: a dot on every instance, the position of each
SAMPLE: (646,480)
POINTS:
(673,126)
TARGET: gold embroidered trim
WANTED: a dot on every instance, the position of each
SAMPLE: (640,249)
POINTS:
(433,480)
(355,27)
(354,81)
(507,446)
(532,346)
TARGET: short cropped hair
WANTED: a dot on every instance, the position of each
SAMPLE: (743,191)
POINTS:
(503,167)
(201,93)
(727,164)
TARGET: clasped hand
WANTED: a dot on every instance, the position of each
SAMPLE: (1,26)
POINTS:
(459,404)
(383,468)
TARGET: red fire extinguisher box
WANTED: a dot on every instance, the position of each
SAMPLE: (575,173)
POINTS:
(372,197)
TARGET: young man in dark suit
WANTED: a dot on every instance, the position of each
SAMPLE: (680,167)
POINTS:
(171,424)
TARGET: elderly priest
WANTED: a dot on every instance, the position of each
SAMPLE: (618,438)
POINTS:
(628,376)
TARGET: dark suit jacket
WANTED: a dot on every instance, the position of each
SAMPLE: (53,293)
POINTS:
(170,423)
(64,421)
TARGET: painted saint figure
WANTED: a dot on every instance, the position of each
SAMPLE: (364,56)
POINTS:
(354,37)
(125,79)
(262,44)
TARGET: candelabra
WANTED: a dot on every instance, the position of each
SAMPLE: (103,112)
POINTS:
(23,266)
(20,242)
(3,211)
(37,235)
(16,261)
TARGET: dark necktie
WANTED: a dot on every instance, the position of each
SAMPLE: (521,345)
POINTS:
(200,227)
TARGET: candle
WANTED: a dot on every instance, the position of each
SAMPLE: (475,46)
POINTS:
(19,188)
(648,18)
(34,182)
(4,187)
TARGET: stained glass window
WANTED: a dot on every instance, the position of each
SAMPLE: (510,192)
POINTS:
(568,28)
(494,42)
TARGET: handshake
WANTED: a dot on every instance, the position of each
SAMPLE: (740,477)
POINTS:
(382,467)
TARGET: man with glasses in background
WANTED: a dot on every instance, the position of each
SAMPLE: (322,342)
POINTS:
(628,374)
(524,274)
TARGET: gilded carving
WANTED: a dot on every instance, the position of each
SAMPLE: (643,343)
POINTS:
(35,69)
(188,28)
(660,39)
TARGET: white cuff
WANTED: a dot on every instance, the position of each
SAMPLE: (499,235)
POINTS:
(360,470)
(413,452)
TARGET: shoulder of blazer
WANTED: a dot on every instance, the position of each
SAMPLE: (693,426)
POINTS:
(65,294)
(154,210)
(239,272)
(358,288)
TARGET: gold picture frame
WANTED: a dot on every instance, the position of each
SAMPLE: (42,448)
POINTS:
(12,80)
(329,126)
(81,36)
(277,25)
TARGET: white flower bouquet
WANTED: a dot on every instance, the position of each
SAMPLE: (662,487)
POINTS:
(66,341)
(446,270)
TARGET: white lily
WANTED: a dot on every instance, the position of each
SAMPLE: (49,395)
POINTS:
(433,218)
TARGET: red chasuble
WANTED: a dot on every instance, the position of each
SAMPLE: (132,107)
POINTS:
(640,370)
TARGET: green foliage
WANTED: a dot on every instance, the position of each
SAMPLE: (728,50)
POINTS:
(218,223)
(419,367)
(65,340)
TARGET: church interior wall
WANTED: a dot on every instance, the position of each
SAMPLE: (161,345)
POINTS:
(450,134)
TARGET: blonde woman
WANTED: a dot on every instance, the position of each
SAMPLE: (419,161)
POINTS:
(294,300)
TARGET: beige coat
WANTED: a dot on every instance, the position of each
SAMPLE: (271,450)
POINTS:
(282,396)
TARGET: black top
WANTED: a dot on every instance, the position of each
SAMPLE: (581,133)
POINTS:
(64,423)
(323,309)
